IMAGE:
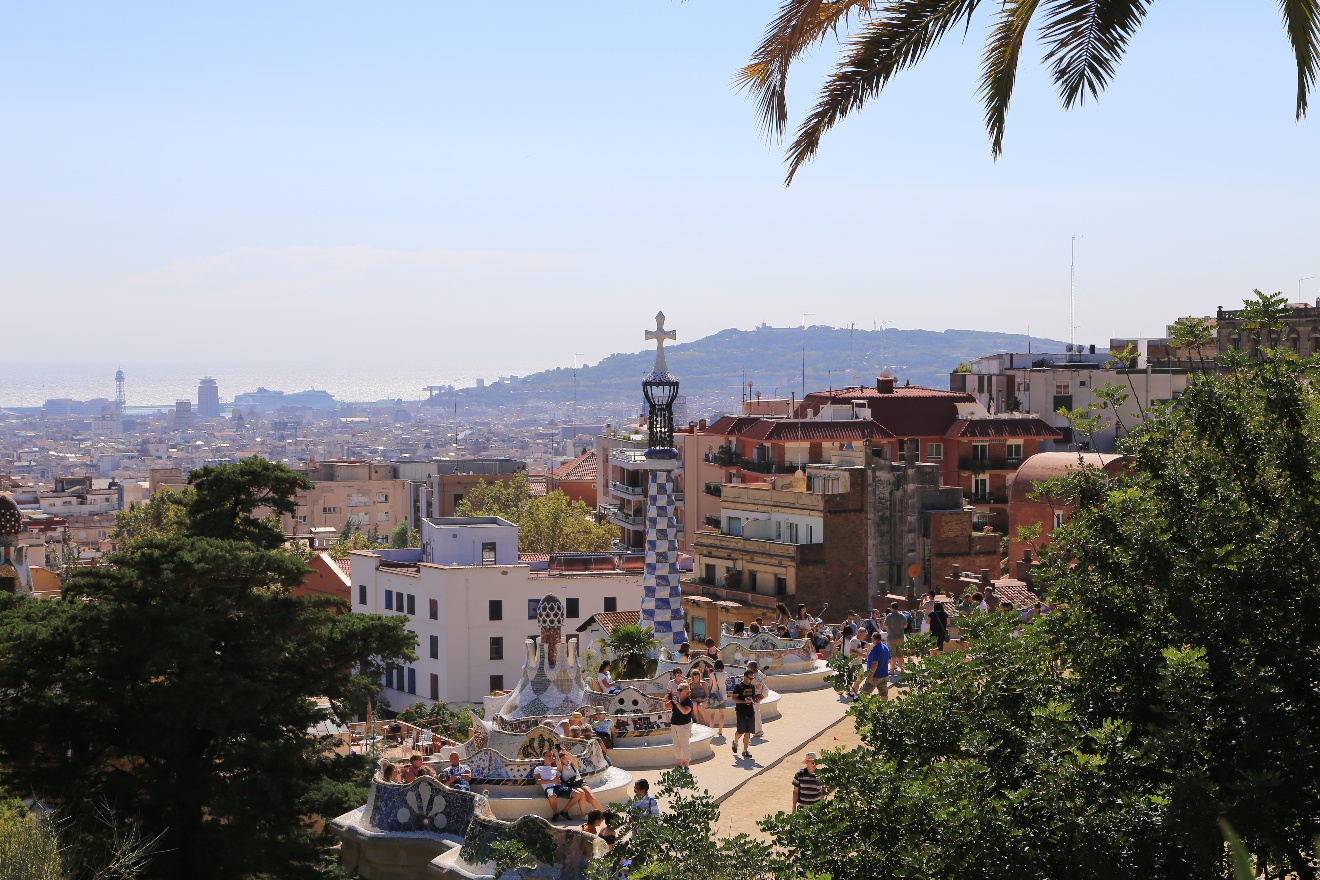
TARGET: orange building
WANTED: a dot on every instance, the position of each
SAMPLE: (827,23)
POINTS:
(576,479)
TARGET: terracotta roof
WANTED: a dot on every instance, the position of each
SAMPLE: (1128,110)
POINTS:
(731,426)
(345,565)
(1003,427)
(816,430)
(1015,591)
(907,411)
(1044,465)
(608,620)
(580,470)
(533,557)
(536,484)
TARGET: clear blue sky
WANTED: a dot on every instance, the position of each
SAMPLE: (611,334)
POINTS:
(499,186)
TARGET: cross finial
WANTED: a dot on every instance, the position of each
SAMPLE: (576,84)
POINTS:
(660,334)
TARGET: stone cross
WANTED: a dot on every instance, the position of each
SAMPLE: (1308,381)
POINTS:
(660,334)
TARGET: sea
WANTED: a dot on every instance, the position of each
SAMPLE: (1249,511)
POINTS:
(158,385)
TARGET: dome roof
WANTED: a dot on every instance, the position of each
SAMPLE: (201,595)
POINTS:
(11,518)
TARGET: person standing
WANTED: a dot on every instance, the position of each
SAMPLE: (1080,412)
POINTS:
(851,647)
(939,625)
(744,699)
(896,624)
(758,680)
(716,697)
(877,668)
(807,789)
(699,690)
(680,725)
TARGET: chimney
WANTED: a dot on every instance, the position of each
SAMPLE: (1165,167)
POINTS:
(985,576)
(884,385)
(701,425)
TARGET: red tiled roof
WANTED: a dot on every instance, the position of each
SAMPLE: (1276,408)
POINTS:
(907,411)
(732,426)
(345,565)
(580,470)
(1003,427)
(608,620)
(1015,591)
(816,430)
(533,557)
(536,484)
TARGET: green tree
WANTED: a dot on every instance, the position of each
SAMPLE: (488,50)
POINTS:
(631,646)
(1170,693)
(178,683)
(551,523)
(1084,41)
(163,515)
(403,537)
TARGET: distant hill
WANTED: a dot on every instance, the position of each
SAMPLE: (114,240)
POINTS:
(710,369)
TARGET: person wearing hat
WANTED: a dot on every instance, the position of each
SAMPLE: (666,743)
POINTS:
(806,787)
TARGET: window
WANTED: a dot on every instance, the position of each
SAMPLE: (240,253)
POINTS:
(751,581)
(533,605)
(980,452)
(612,602)
(435,647)
(362,594)
(497,647)
(384,516)
(434,608)
(389,600)
(710,574)
(1058,518)
(980,384)
(1062,401)
(781,585)
(1062,388)
(488,553)
(980,488)
(412,680)
(412,604)
(779,529)
(435,686)
(793,533)
(303,519)
(934,452)
(382,497)
(323,509)
(496,683)
(571,608)
(811,536)
(496,609)
(1013,450)
(458,499)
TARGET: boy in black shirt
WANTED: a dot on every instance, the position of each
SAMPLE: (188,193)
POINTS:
(744,709)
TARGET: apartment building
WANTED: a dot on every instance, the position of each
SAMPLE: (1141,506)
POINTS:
(472,605)
(359,492)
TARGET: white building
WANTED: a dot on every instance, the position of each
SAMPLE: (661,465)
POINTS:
(472,606)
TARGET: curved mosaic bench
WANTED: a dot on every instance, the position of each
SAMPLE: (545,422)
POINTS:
(423,805)
(775,656)
(491,765)
(566,849)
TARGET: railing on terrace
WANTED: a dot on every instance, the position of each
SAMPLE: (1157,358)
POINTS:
(625,489)
(712,521)
(630,456)
(715,489)
(399,739)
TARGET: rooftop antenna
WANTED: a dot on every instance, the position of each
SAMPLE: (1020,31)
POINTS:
(1072,290)
(805,315)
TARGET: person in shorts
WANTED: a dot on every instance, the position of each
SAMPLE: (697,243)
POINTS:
(896,624)
(744,709)
(877,669)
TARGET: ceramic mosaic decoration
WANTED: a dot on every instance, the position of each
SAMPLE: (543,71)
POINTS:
(774,656)
(551,682)
(424,805)
(662,597)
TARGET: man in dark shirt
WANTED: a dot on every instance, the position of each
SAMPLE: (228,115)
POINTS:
(806,787)
(744,709)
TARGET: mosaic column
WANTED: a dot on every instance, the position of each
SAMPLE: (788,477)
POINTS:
(662,599)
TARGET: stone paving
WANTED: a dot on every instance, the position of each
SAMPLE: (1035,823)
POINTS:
(806,715)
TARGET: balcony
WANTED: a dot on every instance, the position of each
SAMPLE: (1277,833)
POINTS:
(773,552)
(624,489)
(620,517)
(724,458)
(627,456)
(714,489)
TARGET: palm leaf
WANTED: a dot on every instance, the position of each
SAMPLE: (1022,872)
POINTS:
(1302,19)
(897,37)
(999,66)
(799,25)
(1086,40)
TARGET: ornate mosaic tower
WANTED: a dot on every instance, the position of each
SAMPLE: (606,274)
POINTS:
(662,599)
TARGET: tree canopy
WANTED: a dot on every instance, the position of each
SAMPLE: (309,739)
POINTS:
(1083,40)
(178,683)
(551,523)
(1171,690)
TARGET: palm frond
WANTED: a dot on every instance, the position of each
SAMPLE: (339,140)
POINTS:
(999,66)
(799,25)
(896,37)
(1302,19)
(1086,40)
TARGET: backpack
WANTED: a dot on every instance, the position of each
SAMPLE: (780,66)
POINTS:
(907,627)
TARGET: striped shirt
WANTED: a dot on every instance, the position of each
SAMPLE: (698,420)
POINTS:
(808,787)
